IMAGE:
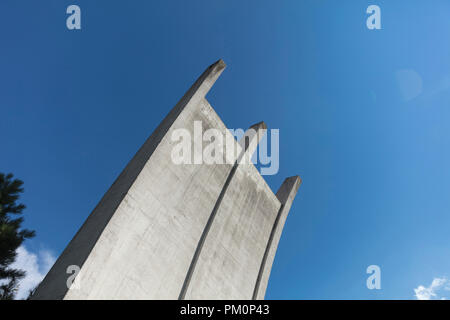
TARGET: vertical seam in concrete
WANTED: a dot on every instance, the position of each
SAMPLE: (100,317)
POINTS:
(201,242)
(266,253)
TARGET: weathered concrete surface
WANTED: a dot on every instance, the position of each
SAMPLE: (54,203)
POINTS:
(231,257)
(141,239)
(247,145)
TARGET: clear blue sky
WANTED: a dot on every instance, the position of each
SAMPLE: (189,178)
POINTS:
(363,116)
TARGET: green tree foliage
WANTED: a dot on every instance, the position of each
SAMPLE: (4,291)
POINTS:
(11,234)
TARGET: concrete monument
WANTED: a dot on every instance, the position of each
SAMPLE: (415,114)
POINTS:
(171,231)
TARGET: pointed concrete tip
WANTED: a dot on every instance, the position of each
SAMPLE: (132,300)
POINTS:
(259,126)
(288,189)
(219,64)
(294,178)
(297,180)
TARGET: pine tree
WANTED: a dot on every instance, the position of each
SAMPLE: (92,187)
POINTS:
(11,234)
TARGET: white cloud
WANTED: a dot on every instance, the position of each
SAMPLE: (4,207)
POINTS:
(36,267)
(434,291)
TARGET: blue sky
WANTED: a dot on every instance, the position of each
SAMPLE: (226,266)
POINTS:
(363,118)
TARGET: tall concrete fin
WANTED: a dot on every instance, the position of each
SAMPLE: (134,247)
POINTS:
(285,195)
(54,285)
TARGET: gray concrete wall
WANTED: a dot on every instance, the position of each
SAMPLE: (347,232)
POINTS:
(231,258)
(140,240)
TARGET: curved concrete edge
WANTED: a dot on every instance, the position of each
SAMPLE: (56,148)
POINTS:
(286,195)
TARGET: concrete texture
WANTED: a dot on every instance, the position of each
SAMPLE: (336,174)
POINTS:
(168,231)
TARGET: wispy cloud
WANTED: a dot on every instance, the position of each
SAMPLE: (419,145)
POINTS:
(435,291)
(36,266)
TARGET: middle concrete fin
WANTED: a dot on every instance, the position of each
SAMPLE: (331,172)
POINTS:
(248,145)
